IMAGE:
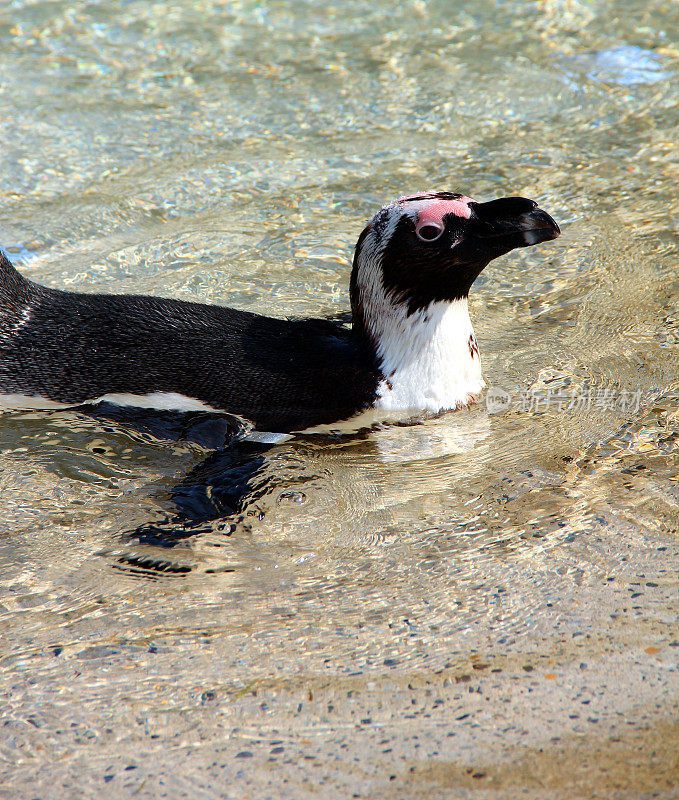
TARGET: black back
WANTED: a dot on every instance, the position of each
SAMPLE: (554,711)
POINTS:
(283,375)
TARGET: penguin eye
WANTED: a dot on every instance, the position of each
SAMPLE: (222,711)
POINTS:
(428,232)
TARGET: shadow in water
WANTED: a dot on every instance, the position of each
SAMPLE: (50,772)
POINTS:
(225,488)
(215,496)
(228,491)
(241,481)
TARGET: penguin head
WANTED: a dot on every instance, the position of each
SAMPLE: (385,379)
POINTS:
(431,247)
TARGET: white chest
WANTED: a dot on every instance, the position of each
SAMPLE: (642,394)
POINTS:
(430,359)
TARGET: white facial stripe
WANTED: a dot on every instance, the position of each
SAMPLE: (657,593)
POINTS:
(370,285)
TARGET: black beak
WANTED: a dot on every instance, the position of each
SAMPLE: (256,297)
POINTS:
(494,229)
(502,225)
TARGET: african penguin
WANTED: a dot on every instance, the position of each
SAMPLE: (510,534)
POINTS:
(410,348)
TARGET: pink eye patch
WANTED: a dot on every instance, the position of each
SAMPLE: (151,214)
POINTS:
(430,211)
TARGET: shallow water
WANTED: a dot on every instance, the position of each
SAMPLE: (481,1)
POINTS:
(481,605)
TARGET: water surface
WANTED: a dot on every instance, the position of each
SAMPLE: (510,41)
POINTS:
(481,605)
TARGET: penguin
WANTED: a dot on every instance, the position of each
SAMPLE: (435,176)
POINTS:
(410,347)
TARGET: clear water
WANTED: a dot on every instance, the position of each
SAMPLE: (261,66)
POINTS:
(481,605)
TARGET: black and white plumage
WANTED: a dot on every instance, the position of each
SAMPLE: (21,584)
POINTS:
(411,346)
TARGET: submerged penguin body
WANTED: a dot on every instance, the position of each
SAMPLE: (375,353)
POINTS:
(411,346)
